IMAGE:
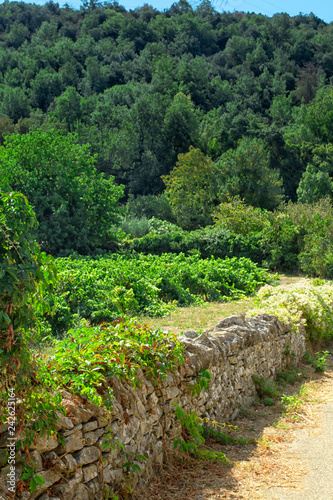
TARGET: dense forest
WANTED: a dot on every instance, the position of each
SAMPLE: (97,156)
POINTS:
(171,112)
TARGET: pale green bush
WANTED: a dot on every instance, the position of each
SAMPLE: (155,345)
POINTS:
(308,303)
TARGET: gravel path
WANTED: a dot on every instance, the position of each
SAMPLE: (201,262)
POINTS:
(316,451)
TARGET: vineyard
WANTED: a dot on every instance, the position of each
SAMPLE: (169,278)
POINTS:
(106,288)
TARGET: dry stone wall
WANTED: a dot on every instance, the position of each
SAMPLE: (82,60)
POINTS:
(86,461)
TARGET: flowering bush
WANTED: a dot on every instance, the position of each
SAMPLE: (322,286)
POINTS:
(308,303)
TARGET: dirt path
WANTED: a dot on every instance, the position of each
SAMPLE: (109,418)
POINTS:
(291,458)
(314,448)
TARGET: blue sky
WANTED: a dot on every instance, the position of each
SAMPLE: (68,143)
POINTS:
(321,8)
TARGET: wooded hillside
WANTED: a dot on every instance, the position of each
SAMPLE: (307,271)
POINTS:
(143,86)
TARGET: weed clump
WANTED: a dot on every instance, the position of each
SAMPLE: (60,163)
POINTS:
(268,401)
(318,360)
(265,387)
(291,376)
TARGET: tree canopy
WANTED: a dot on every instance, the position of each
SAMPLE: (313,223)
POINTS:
(191,190)
(74,204)
(244,172)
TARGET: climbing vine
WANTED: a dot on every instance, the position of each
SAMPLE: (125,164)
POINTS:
(25,275)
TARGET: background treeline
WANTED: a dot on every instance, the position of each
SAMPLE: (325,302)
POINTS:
(142,86)
(164,123)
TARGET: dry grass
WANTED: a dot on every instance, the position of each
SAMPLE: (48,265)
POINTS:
(199,317)
(254,467)
(208,315)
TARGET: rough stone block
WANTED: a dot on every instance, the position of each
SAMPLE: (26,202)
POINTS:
(90,426)
(64,422)
(111,475)
(87,455)
(94,490)
(81,493)
(55,461)
(90,472)
(70,462)
(37,459)
(50,477)
(72,443)
(82,414)
(74,430)
(91,437)
(45,443)
(67,489)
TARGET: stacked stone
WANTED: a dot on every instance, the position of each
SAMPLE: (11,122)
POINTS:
(84,460)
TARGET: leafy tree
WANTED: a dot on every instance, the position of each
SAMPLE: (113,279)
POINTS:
(75,206)
(190,188)
(150,206)
(193,78)
(95,75)
(163,79)
(44,88)
(245,172)
(17,35)
(181,123)
(47,34)
(313,123)
(307,83)
(240,218)
(319,116)
(67,107)
(154,155)
(314,185)
(284,159)
(6,127)
(280,109)
(316,182)
(15,104)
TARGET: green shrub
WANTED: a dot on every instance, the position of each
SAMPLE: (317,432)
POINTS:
(281,243)
(291,402)
(159,226)
(208,242)
(318,361)
(300,237)
(268,401)
(321,361)
(291,376)
(136,227)
(150,206)
(295,237)
(25,275)
(239,218)
(158,244)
